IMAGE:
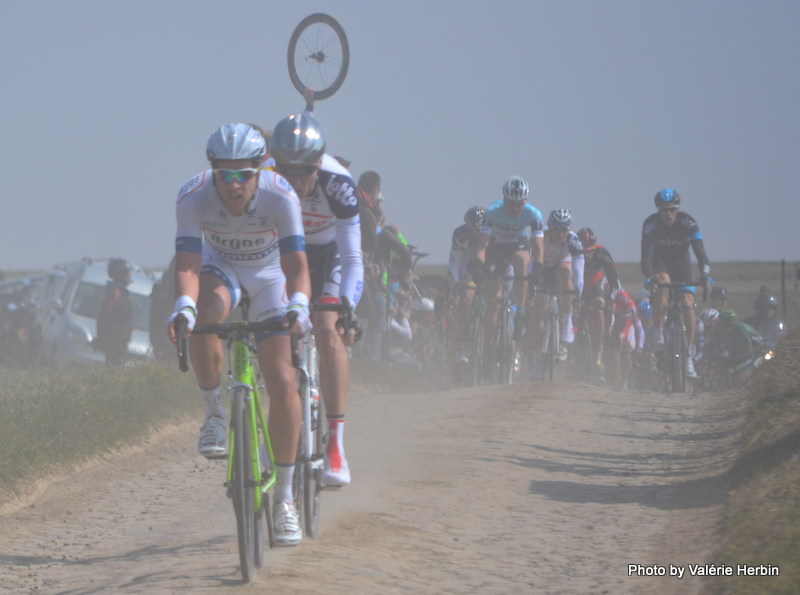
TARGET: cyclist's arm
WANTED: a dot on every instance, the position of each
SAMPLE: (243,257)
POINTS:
(187,274)
(481,244)
(348,240)
(648,249)
(700,254)
(537,248)
(295,267)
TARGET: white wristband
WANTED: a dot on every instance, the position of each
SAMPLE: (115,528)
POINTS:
(299,299)
(185,302)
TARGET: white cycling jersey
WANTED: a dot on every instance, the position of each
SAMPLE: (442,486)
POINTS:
(568,250)
(271,224)
(330,213)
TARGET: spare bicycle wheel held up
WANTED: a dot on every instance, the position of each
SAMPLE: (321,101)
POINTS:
(318,55)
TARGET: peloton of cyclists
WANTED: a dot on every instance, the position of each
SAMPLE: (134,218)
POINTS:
(509,245)
(467,251)
(562,270)
(239,229)
(666,237)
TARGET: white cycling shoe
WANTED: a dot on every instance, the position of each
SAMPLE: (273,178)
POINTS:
(690,371)
(286,524)
(213,436)
(336,476)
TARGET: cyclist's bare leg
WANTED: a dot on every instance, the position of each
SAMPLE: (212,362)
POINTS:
(492,287)
(598,326)
(660,301)
(213,306)
(275,358)
(625,367)
(520,262)
(466,295)
(564,282)
(689,318)
(334,367)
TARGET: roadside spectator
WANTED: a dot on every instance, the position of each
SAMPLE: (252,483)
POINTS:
(370,214)
(719,298)
(115,321)
(162,299)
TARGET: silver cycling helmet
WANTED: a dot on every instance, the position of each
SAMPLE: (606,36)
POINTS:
(236,141)
(709,316)
(297,140)
(560,219)
(516,190)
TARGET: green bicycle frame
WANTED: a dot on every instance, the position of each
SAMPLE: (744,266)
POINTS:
(243,375)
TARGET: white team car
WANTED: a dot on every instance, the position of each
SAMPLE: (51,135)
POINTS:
(68,302)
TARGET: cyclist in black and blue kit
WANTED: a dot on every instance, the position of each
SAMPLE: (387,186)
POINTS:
(666,237)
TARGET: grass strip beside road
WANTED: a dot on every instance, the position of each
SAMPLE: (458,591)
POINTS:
(52,419)
(761,525)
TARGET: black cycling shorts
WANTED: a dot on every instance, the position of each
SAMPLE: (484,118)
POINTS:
(498,256)
(679,271)
(325,268)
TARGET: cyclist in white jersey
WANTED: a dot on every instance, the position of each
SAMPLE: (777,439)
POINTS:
(240,228)
(563,270)
(333,243)
(508,221)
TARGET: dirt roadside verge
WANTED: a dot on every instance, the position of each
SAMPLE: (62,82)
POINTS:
(533,488)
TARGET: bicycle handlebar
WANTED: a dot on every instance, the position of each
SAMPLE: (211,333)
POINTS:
(224,330)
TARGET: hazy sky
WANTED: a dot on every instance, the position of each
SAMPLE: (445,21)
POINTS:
(106,108)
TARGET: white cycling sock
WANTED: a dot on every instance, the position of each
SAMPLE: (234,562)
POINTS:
(284,474)
(213,401)
(567,332)
(335,450)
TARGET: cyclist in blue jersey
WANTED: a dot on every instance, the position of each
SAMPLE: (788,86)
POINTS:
(666,237)
(507,221)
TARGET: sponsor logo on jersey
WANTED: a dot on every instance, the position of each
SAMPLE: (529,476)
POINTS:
(192,184)
(340,190)
(281,183)
(242,244)
(313,222)
(648,229)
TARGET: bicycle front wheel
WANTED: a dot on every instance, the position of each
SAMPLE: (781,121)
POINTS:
(504,346)
(319,55)
(312,488)
(476,351)
(243,483)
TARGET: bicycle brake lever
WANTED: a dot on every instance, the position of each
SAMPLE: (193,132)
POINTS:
(180,329)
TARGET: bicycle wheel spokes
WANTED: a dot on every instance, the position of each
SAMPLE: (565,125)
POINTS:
(312,493)
(243,484)
(319,55)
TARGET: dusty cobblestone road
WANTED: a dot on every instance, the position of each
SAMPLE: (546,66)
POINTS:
(522,489)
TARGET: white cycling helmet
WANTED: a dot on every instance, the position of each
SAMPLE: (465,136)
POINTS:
(236,141)
(516,190)
(560,219)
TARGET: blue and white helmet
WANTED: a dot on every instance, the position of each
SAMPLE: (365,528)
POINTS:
(236,141)
(516,190)
(667,198)
(560,219)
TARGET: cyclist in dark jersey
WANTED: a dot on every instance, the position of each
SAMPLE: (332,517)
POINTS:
(600,287)
(666,237)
